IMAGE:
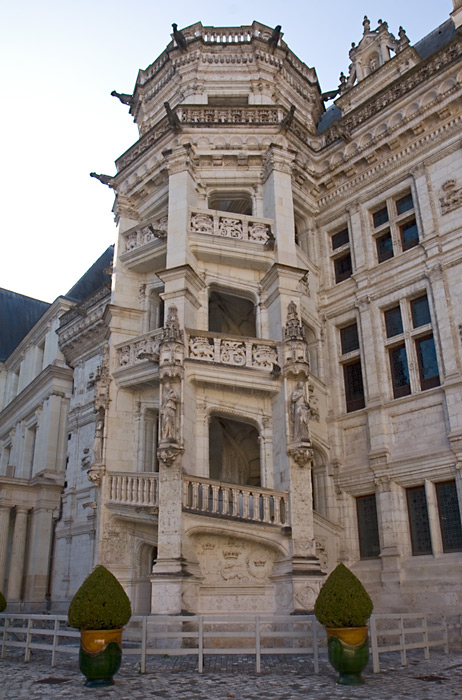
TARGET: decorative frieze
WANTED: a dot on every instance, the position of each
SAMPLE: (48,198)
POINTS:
(255,354)
(143,347)
(235,226)
(452,197)
(145,233)
(229,115)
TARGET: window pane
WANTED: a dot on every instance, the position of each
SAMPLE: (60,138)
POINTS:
(349,338)
(409,235)
(384,247)
(393,321)
(343,268)
(428,364)
(420,312)
(340,239)
(404,204)
(369,543)
(448,505)
(418,521)
(380,217)
(354,390)
(399,371)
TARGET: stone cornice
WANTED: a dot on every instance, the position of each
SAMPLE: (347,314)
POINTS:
(39,389)
(401,156)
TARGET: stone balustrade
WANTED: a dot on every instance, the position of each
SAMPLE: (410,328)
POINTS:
(145,233)
(143,347)
(235,351)
(235,501)
(229,225)
(134,489)
(199,114)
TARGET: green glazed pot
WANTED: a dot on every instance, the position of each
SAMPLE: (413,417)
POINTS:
(100,656)
(348,651)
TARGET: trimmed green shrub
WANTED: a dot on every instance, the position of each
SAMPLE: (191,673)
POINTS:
(2,602)
(100,603)
(343,601)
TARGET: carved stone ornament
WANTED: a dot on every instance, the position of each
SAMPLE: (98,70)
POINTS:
(301,454)
(452,197)
(86,459)
(172,330)
(230,228)
(200,348)
(300,413)
(293,330)
(168,454)
(169,415)
(95,475)
(102,381)
(201,223)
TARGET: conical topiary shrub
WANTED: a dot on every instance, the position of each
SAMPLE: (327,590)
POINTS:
(2,602)
(100,603)
(343,601)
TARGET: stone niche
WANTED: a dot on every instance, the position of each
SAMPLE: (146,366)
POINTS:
(236,575)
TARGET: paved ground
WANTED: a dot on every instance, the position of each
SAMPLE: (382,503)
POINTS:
(227,677)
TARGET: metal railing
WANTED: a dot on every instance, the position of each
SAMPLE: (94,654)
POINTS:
(235,501)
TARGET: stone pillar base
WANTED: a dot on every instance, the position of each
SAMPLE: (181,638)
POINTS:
(305,589)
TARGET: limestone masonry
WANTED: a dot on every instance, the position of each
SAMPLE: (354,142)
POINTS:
(264,376)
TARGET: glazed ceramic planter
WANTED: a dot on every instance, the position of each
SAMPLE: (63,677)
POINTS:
(100,656)
(348,649)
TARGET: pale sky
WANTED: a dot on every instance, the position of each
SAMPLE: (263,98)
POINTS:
(58,122)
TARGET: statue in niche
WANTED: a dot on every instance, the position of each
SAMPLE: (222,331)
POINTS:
(300,412)
(98,441)
(168,414)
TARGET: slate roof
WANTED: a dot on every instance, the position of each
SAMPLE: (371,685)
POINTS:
(94,278)
(438,38)
(18,314)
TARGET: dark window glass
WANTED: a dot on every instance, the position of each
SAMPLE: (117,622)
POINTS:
(404,204)
(409,235)
(384,247)
(349,338)
(399,371)
(369,543)
(418,521)
(393,321)
(380,217)
(354,390)
(420,312)
(343,269)
(448,506)
(339,239)
(428,364)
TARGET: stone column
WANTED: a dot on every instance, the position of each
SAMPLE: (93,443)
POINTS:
(389,551)
(39,554)
(17,554)
(4,529)
(278,201)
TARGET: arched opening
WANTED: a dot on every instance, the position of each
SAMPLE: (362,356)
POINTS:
(312,345)
(155,310)
(234,452)
(237,202)
(146,558)
(231,314)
